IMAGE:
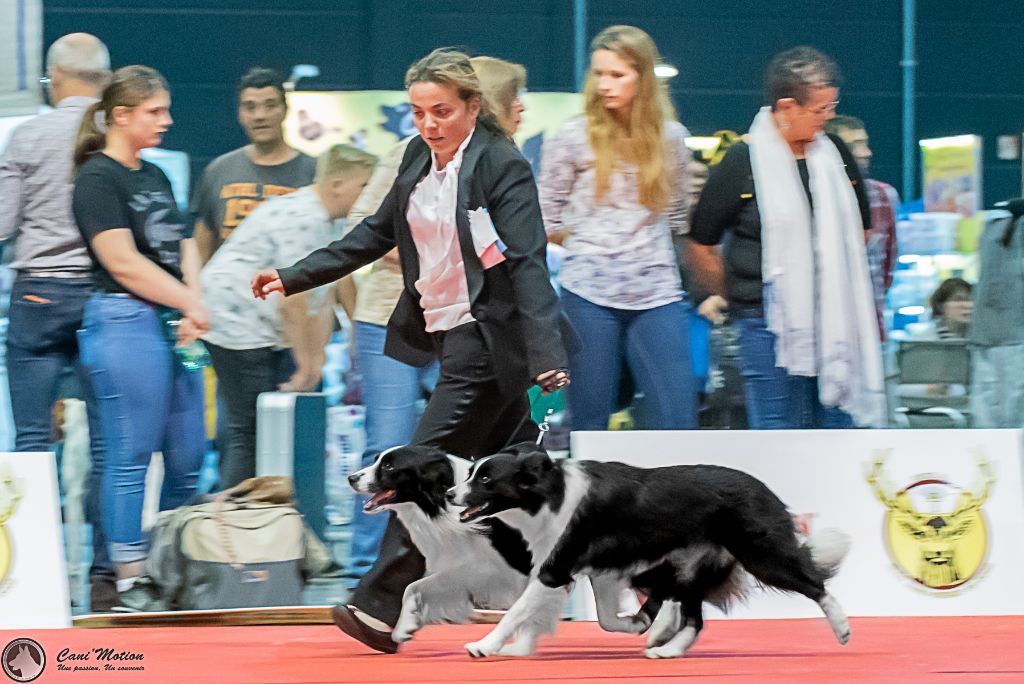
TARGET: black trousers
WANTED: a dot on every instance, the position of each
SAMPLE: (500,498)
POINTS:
(467,415)
(242,375)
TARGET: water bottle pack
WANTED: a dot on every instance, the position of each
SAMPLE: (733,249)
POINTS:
(192,356)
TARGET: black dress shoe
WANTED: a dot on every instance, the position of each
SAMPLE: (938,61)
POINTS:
(348,623)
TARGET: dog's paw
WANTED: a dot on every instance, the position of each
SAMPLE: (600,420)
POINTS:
(402,634)
(407,625)
(638,624)
(482,649)
(661,652)
(642,621)
(628,625)
(659,637)
(666,625)
(836,618)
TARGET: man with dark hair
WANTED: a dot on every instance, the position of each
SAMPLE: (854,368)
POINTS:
(237,182)
(883,198)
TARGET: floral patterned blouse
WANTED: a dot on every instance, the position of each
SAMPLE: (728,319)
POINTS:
(619,253)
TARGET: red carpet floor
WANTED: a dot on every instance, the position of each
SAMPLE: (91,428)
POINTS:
(881,650)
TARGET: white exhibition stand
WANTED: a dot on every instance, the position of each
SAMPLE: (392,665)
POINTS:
(948,541)
(33,578)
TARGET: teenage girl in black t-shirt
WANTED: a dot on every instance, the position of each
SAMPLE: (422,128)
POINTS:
(146,272)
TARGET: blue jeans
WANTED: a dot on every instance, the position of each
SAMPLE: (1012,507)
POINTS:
(42,342)
(147,402)
(656,345)
(390,392)
(775,399)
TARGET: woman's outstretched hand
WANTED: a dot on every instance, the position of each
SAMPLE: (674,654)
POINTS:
(266,282)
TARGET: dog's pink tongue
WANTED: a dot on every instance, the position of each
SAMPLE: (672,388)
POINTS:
(378,498)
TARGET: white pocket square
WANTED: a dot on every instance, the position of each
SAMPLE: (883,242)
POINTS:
(486,243)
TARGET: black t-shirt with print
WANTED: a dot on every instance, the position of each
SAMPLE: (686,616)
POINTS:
(109,195)
(727,214)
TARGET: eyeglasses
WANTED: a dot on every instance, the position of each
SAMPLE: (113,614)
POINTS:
(88,75)
(829,108)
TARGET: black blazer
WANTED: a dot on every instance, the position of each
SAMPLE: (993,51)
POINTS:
(513,301)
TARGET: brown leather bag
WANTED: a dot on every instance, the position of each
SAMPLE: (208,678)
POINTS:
(273,489)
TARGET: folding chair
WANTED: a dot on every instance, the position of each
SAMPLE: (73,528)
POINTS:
(933,362)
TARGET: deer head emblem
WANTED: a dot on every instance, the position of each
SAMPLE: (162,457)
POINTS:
(935,531)
(9,497)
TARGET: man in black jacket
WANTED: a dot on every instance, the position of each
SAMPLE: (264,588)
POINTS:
(464,215)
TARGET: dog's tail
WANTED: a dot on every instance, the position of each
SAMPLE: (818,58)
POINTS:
(828,547)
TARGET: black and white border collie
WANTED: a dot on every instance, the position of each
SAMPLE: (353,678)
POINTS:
(686,534)
(482,564)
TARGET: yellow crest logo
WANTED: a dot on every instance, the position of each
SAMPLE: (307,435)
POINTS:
(935,531)
(9,497)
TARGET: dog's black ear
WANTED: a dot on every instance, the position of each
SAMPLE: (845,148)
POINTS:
(537,460)
(525,479)
(438,476)
(532,466)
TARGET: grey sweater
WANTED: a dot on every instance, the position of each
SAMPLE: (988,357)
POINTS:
(35,193)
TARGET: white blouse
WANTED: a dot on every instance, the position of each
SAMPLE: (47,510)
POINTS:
(444,291)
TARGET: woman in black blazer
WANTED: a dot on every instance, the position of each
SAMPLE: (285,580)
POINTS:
(464,215)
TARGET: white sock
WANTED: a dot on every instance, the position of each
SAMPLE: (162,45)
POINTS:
(370,621)
(125,584)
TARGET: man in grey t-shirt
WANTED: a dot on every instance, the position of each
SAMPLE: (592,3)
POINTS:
(237,182)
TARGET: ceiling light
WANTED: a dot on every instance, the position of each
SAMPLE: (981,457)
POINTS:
(665,71)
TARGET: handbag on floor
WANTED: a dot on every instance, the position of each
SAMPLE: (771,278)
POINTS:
(246,547)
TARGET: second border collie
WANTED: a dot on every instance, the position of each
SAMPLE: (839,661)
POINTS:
(691,528)
(478,565)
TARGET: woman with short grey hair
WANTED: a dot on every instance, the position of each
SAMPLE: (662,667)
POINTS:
(791,209)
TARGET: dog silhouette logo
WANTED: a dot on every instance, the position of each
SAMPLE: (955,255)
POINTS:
(23,660)
(935,530)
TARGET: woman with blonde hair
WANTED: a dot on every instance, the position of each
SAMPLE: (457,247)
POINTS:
(464,215)
(391,388)
(614,189)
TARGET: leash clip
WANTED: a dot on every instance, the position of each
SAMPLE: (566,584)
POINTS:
(544,426)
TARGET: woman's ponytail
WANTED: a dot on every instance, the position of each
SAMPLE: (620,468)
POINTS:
(91,138)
